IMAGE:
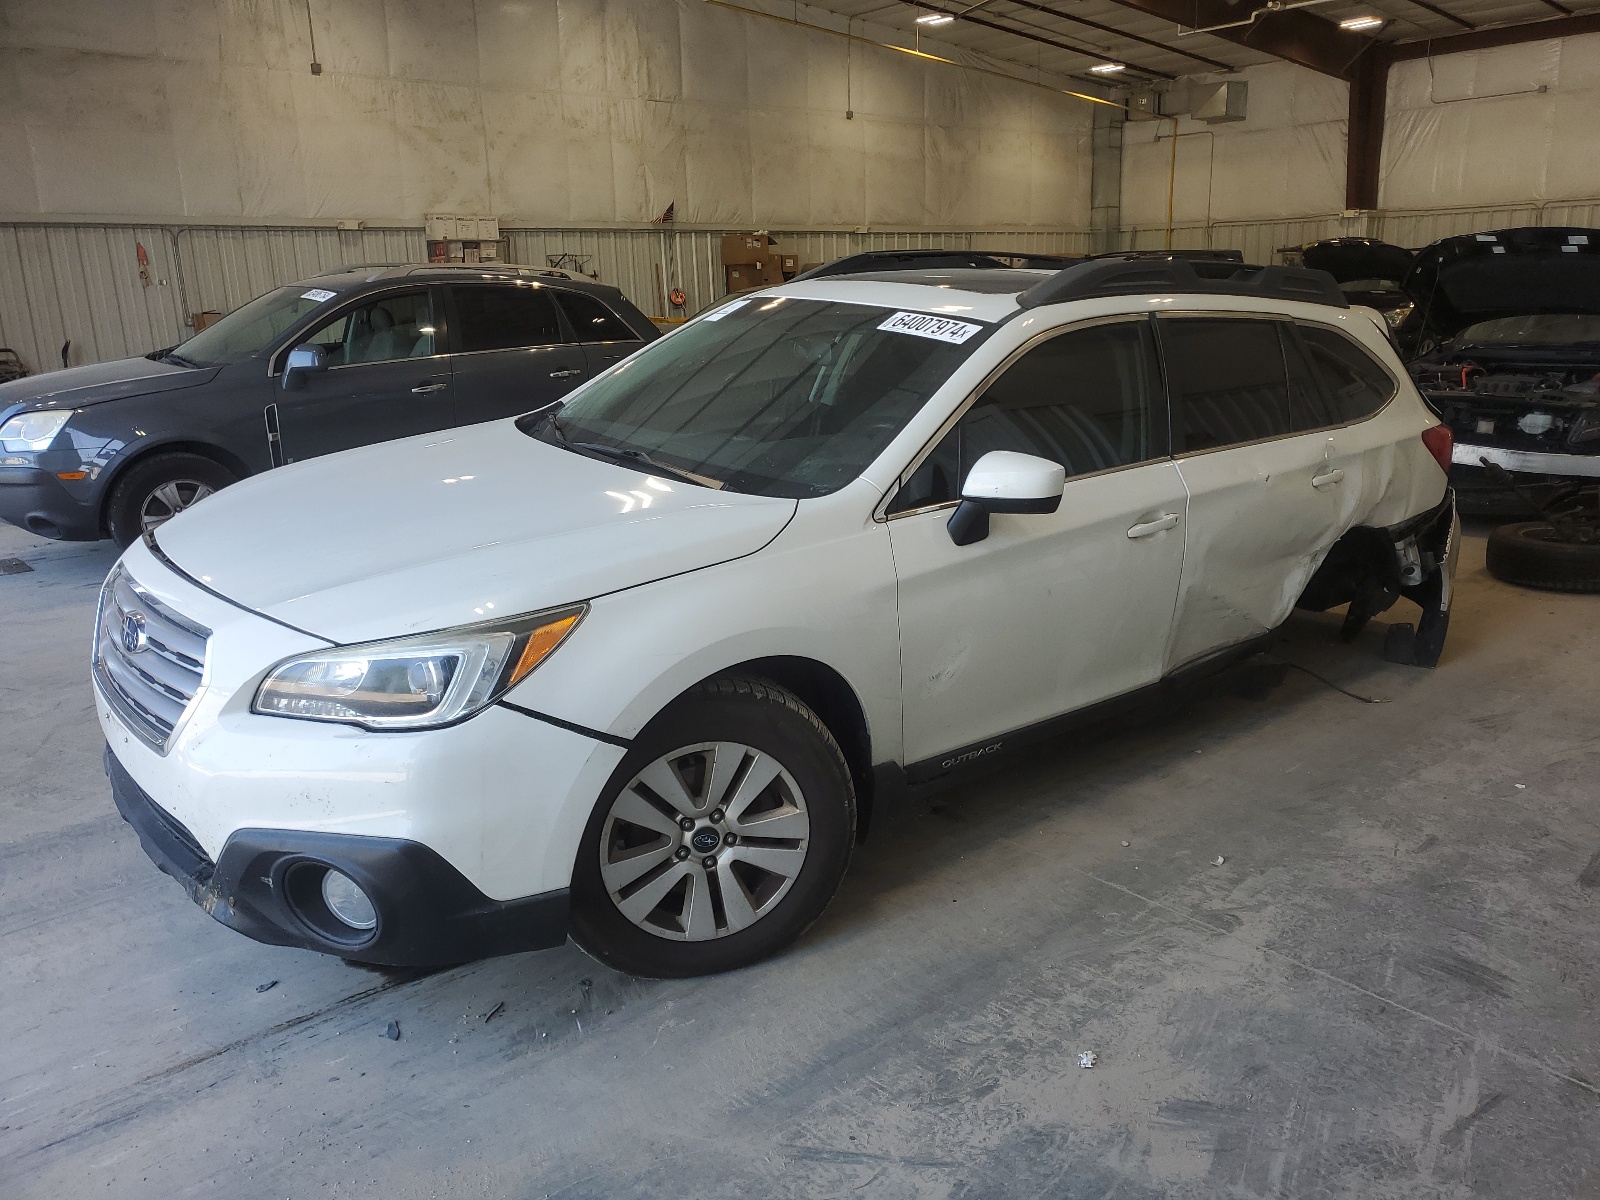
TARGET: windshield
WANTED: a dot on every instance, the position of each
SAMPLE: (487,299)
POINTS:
(772,396)
(251,329)
(1537,329)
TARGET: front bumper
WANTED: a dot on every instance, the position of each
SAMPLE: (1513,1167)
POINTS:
(429,914)
(36,500)
(1540,473)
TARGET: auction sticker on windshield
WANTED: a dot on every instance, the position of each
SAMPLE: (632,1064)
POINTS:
(940,329)
(318,294)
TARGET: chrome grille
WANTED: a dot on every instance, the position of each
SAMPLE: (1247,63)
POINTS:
(148,659)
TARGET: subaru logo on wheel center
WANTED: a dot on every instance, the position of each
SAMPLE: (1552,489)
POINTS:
(705,840)
(134,638)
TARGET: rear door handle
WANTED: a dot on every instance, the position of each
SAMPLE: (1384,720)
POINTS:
(1327,478)
(567,374)
(1146,528)
(424,389)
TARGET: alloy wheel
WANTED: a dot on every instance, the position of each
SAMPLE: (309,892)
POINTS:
(704,842)
(170,499)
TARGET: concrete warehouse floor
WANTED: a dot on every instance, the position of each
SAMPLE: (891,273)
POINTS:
(1389,988)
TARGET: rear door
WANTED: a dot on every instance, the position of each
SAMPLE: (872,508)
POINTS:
(512,353)
(387,377)
(605,337)
(1263,498)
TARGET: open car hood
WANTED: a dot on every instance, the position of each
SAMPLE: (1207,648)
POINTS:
(1476,277)
(451,528)
(1348,259)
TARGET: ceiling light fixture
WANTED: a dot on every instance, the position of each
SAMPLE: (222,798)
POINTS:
(935,19)
(1107,68)
(1360,24)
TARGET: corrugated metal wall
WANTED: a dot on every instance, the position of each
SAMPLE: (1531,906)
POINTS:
(82,281)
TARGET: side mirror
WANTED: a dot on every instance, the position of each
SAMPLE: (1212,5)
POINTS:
(1003,481)
(302,361)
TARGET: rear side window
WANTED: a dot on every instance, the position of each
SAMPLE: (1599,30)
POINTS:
(592,321)
(1227,381)
(1354,385)
(1084,399)
(504,316)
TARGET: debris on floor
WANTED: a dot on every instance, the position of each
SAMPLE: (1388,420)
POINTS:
(1087,1059)
(495,1012)
(1218,861)
(13,566)
(393,1032)
(267,986)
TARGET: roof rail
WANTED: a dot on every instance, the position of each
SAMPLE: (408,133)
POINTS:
(1139,276)
(903,260)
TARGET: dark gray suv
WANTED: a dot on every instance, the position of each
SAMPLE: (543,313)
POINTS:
(343,360)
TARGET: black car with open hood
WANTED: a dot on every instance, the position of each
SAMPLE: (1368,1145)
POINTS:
(1507,328)
(1369,272)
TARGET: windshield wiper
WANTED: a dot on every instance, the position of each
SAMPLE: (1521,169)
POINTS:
(178,360)
(622,454)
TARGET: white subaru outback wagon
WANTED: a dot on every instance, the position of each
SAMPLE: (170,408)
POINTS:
(638,668)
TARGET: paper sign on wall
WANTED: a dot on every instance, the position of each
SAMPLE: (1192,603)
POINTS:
(940,329)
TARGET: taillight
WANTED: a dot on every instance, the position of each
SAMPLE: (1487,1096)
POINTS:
(1439,441)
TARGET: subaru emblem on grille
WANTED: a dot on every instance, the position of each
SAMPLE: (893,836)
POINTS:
(134,638)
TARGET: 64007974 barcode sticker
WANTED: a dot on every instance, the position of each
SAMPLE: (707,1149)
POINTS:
(940,329)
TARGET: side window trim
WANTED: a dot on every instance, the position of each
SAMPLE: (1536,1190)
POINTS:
(572,333)
(1394,384)
(1158,398)
(318,320)
(1174,405)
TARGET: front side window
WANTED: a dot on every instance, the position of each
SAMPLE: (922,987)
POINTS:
(1227,380)
(504,316)
(253,328)
(775,397)
(391,326)
(1085,399)
(1354,384)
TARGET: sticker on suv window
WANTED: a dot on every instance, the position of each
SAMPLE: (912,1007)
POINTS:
(940,329)
(318,294)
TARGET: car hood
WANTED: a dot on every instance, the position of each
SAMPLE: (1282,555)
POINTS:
(452,528)
(1476,277)
(1350,259)
(78,387)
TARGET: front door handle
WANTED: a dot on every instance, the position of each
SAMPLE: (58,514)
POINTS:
(1327,478)
(567,374)
(1147,528)
(424,389)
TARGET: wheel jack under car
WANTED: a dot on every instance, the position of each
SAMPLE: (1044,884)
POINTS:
(1369,569)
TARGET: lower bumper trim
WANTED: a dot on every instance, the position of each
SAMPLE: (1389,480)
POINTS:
(429,914)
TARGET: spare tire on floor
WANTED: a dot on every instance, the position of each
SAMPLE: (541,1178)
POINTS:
(1528,553)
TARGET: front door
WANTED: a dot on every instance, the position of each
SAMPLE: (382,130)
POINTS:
(386,378)
(1048,614)
(604,336)
(512,353)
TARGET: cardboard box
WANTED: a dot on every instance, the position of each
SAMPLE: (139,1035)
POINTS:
(789,264)
(744,249)
(741,277)
(202,320)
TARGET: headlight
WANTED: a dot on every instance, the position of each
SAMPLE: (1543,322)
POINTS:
(1585,429)
(419,682)
(1397,316)
(33,430)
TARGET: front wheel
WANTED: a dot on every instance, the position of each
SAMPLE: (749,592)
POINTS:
(157,489)
(720,837)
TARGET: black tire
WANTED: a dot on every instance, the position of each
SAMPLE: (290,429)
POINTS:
(775,722)
(137,488)
(1526,553)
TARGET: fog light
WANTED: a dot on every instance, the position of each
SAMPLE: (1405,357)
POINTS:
(347,901)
